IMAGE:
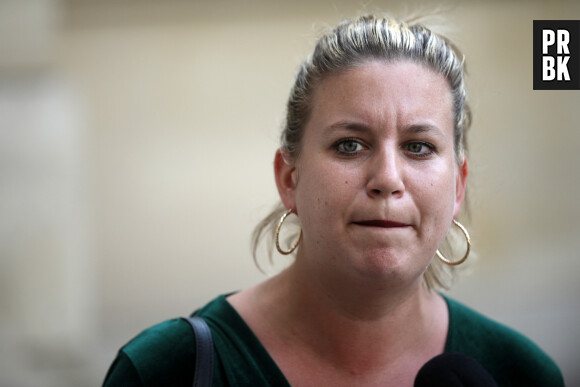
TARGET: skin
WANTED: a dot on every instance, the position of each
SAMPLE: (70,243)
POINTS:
(376,187)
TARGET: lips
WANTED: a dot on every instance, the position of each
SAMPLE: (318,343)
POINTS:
(380,223)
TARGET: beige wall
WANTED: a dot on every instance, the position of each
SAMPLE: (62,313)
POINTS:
(136,141)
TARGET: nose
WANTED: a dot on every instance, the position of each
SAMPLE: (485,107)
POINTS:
(385,175)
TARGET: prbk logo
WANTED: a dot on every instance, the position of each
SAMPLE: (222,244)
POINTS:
(556,55)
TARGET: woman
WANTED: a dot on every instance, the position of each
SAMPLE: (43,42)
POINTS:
(373,165)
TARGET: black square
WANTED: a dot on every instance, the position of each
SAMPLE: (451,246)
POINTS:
(562,57)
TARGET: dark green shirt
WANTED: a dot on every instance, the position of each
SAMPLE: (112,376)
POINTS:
(164,355)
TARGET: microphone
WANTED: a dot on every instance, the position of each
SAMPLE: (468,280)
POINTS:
(453,370)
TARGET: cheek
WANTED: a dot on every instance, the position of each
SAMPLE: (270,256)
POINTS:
(324,187)
(435,193)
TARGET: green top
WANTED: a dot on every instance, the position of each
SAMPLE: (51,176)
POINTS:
(164,355)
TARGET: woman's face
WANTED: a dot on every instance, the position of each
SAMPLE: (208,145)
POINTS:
(377,184)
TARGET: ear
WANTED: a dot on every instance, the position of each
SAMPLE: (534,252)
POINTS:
(285,174)
(460,185)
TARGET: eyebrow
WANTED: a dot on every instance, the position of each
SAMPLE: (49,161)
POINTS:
(424,128)
(349,125)
(361,128)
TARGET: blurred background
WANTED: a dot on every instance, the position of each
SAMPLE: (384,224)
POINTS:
(136,148)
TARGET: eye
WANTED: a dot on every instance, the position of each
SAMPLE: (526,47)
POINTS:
(348,146)
(420,149)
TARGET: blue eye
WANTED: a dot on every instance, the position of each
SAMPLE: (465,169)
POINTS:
(348,146)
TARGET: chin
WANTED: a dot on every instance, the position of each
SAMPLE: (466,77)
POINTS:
(387,268)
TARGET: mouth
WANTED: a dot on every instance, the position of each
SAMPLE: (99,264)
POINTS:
(381,223)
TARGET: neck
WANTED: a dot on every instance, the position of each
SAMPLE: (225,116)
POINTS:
(359,297)
(343,322)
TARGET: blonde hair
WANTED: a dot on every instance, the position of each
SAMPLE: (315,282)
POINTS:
(350,44)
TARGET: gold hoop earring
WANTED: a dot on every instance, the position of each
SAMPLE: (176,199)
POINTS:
(277,237)
(455,263)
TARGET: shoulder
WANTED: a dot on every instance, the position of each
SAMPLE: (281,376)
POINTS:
(509,356)
(160,355)
(164,354)
(161,343)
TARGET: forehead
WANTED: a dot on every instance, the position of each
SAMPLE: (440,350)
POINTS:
(384,92)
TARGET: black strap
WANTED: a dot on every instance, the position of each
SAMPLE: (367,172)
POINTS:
(203,376)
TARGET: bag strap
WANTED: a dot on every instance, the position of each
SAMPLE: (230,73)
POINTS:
(203,352)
